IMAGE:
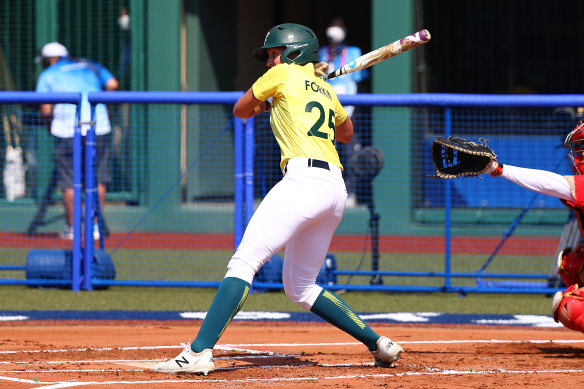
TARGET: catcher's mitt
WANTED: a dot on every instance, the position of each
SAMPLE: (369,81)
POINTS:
(458,157)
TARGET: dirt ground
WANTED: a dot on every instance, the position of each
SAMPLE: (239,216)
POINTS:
(118,354)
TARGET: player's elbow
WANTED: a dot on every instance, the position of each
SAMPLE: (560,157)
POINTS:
(112,84)
(346,136)
(241,113)
(246,106)
(344,131)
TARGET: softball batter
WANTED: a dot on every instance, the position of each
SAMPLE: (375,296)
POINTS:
(302,211)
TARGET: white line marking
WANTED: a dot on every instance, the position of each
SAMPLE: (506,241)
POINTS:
(491,341)
(432,371)
(18,380)
(63,385)
(86,361)
(85,349)
(13,318)
(229,347)
(411,342)
(269,354)
(274,380)
(241,315)
(266,355)
(68,371)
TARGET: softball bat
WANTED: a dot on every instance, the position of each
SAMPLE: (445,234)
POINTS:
(383,53)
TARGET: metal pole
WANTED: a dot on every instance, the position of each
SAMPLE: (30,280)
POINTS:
(248,169)
(90,192)
(447,208)
(77,253)
(239,176)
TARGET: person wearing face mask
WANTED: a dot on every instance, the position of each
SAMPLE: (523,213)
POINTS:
(337,54)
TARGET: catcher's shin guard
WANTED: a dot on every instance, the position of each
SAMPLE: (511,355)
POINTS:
(568,308)
(571,265)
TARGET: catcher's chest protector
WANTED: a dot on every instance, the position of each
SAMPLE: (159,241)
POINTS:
(568,308)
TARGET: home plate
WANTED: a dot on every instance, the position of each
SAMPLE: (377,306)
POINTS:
(141,365)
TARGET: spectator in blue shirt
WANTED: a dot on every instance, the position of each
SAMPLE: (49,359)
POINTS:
(337,54)
(64,73)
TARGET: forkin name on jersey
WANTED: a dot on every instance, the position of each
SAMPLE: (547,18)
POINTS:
(317,88)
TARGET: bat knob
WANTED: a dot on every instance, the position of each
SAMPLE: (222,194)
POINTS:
(425,35)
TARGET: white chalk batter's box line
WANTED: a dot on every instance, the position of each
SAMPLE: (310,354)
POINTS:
(69,384)
(237,347)
(260,354)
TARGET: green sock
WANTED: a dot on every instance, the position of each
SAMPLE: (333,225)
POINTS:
(333,309)
(228,301)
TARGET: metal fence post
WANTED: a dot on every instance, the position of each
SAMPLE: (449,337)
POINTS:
(239,181)
(77,253)
(248,167)
(447,209)
(90,189)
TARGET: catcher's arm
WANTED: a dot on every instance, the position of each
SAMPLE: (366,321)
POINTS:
(542,181)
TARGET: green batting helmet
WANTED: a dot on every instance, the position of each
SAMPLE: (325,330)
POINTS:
(300,42)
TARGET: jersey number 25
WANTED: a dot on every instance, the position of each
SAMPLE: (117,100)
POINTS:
(314,130)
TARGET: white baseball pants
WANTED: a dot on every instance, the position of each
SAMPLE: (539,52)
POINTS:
(300,214)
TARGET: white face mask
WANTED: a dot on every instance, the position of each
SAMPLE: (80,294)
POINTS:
(336,34)
(124,22)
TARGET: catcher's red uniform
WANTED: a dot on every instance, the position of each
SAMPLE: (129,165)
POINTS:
(571,261)
(568,308)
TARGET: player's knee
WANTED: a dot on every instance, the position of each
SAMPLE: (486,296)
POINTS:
(303,296)
(239,268)
(568,308)
(571,265)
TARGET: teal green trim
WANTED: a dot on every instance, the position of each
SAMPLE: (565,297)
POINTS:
(229,299)
(163,21)
(163,73)
(334,310)
(47,23)
(208,70)
(138,52)
(392,20)
(492,216)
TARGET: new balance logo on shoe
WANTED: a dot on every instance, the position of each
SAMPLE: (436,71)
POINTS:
(196,363)
(181,362)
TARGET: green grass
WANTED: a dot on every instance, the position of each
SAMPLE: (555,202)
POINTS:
(208,265)
(199,299)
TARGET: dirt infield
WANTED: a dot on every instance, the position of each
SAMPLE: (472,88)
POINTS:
(118,354)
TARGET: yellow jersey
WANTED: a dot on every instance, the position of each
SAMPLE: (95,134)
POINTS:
(305,111)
